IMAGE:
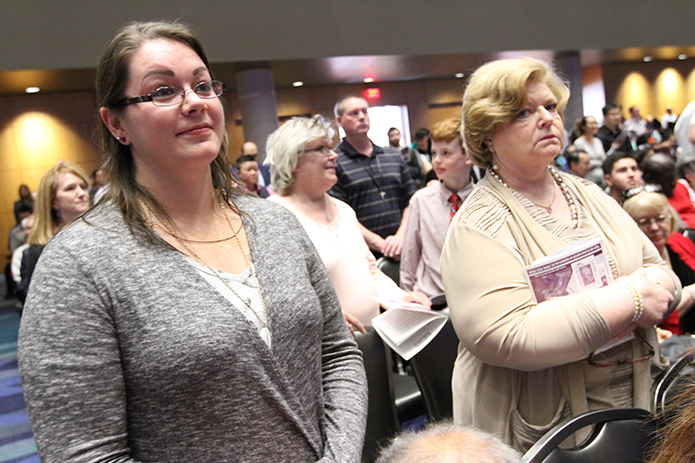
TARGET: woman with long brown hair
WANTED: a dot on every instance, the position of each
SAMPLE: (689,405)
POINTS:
(181,319)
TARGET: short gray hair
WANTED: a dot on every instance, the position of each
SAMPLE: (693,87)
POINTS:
(445,442)
(286,146)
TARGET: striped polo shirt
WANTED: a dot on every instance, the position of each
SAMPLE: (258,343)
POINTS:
(377,187)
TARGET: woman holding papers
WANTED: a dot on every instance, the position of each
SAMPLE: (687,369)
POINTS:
(302,169)
(523,366)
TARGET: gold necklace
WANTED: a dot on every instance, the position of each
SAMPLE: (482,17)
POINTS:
(180,238)
(548,208)
(264,331)
(566,192)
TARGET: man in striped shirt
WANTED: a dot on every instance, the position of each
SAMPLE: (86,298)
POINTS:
(375,183)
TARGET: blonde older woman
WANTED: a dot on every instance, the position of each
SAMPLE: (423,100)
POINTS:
(658,220)
(523,366)
(302,169)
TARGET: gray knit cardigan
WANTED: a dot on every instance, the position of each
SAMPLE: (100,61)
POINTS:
(127,354)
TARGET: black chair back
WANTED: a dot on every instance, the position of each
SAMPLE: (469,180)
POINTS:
(382,420)
(622,435)
(679,377)
(690,234)
(391,268)
(433,367)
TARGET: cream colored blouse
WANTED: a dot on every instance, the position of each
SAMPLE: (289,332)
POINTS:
(522,366)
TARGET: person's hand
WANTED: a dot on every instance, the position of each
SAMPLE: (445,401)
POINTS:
(418,298)
(655,299)
(393,245)
(353,323)
(662,334)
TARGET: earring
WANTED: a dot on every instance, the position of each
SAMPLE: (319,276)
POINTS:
(121,140)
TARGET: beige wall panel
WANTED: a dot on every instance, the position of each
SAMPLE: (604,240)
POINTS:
(293,101)
(323,100)
(436,115)
(649,87)
(689,89)
(9,161)
(443,91)
(415,92)
(418,115)
(9,186)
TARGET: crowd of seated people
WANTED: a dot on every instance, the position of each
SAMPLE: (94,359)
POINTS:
(522,365)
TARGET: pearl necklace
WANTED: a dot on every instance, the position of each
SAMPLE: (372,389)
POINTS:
(566,192)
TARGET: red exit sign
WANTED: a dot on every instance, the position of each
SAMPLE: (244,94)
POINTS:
(372,93)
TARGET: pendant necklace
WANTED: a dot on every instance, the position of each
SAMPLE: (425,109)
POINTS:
(566,192)
(549,207)
(264,331)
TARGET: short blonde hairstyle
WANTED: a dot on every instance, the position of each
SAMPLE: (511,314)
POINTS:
(285,147)
(652,203)
(496,93)
(447,130)
(46,221)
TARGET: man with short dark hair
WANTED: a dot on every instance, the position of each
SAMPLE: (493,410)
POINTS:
(635,124)
(394,138)
(610,134)
(621,172)
(579,162)
(375,183)
(419,157)
(249,148)
(247,170)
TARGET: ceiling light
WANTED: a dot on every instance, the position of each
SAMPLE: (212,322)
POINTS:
(369,80)
(682,56)
(32,89)
(459,75)
(647,59)
(299,83)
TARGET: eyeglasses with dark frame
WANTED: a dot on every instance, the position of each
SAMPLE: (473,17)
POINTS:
(650,354)
(170,95)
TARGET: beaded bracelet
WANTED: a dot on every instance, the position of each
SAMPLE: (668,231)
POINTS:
(638,302)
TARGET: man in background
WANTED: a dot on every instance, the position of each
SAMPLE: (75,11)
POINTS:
(375,183)
(621,172)
(610,134)
(394,138)
(419,157)
(247,170)
(668,120)
(579,162)
(249,148)
(635,125)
